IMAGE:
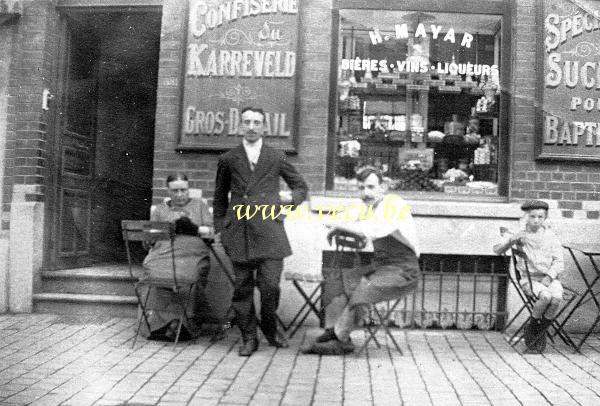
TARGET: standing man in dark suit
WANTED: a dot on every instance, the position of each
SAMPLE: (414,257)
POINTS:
(250,172)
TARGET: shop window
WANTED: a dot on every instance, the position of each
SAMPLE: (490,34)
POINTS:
(418,97)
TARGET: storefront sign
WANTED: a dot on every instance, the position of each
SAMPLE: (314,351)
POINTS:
(402,32)
(569,95)
(239,53)
(408,66)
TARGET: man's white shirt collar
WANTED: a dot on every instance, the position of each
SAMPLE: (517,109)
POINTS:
(253,150)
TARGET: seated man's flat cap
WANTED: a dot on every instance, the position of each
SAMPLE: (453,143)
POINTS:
(534,205)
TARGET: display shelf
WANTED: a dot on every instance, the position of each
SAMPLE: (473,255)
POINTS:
(401,85)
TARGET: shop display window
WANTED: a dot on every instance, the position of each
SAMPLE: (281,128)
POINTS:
(418,96)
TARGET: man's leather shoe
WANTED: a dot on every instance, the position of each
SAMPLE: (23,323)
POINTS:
(277,340)
(327,335)
(331,347)
(248,347)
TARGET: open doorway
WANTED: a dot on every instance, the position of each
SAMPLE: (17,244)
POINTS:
(104,134)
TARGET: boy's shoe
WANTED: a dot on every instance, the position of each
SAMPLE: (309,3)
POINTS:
(540,343)
(532,330)
(327,335)
(535,336)
(539,346)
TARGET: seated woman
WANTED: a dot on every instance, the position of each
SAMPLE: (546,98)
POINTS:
(192,262)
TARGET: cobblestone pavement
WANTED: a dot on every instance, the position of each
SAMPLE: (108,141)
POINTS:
(54,360)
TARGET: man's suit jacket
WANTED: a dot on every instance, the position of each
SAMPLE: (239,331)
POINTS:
(257,238)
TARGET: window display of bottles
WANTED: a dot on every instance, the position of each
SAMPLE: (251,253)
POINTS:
(432,129)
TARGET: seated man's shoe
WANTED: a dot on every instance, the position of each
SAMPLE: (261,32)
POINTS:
(277,340)
(327,335)
(248,347)
(332,347)
(308,348)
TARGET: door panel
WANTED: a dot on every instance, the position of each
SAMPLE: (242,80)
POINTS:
(75,148)
(75,224)
(75,200)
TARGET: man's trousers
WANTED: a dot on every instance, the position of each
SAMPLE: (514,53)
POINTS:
(267,278)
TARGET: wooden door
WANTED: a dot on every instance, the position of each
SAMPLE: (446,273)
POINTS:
(74,148)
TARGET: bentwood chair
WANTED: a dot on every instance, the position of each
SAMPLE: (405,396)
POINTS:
(148,232)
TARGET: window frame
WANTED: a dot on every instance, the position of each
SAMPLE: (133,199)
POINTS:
(489,7)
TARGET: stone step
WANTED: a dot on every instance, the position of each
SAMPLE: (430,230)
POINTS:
(99,280)
(85,304)
(108,289)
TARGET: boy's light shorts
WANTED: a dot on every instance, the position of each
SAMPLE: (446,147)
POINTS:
(555,289)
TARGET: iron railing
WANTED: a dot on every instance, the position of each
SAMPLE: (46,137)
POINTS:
(455,292)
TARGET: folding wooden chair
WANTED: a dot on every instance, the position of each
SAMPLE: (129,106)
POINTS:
(312,300)
(345,242)
(528,299)
(148,232)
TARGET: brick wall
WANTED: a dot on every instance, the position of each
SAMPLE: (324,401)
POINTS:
(314,55)
(574,186)
(33,68)
(6,44)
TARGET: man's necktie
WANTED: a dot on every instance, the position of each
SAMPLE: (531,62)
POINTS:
(252,166)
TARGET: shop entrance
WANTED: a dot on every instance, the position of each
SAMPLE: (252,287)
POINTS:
(103,134)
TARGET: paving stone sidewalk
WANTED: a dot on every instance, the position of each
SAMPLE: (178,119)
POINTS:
(56,360)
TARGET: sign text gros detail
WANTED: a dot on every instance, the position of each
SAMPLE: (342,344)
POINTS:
(572,74)
(204,60)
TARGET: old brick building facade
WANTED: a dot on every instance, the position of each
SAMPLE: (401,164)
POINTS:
(55,165)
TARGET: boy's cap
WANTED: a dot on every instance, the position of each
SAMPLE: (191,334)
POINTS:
(534,205)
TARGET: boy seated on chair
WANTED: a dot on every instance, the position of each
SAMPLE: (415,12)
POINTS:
(544,255)
(395,271)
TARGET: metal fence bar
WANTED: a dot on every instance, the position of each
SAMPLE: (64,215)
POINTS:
(457,303)
(441,290)
(474,306)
